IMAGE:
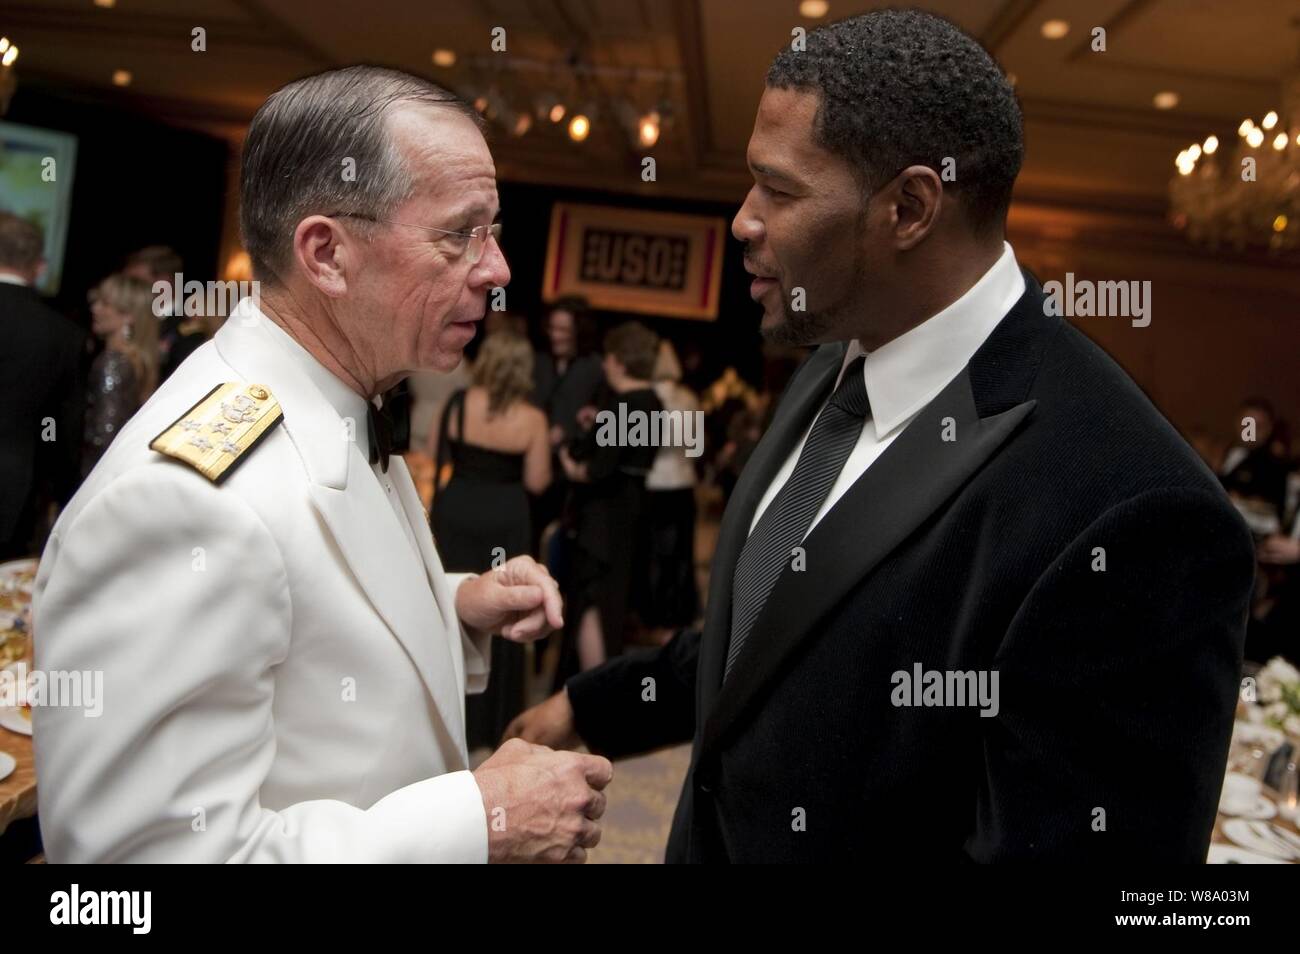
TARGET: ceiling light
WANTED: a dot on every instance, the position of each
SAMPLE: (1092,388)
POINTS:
(121,77)
(1270,120)
(1055,29)
(444,57)
(1165,100)
(648,130)
(814,9)
(579,127)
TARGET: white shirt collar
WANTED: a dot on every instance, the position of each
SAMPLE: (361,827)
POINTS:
(348,403)
(8,278)
(904,375)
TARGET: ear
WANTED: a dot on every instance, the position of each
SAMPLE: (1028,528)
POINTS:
(915,199)
(322,252)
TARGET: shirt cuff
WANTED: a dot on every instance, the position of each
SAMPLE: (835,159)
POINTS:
(439,820)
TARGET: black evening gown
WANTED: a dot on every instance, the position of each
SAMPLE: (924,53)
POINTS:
(481,517)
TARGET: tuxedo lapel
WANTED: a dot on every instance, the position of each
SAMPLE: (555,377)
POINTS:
(807,392)
(353,507)
(364,526)
(434,572)
(915,475)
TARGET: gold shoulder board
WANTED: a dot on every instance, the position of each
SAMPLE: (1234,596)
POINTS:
(217,433)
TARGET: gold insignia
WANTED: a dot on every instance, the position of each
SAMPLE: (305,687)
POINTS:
(216,434)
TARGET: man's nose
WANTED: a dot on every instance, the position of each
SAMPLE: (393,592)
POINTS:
(491,269)
(746,226)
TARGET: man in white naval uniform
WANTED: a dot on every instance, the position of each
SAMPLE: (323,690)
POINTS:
(284,659)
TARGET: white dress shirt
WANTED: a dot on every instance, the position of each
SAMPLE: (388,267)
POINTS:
(906,374)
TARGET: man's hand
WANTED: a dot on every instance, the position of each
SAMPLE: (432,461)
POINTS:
(541,805)
(548,723)
(1280,550)
(519,600)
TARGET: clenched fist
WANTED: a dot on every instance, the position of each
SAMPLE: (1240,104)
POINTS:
(542,805)
(519,599)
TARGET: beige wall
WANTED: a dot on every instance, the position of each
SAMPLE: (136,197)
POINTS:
(1223,326)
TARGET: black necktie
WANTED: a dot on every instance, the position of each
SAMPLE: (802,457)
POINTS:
(379,425)
(769,549)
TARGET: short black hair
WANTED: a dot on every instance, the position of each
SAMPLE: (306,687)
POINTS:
(904,87)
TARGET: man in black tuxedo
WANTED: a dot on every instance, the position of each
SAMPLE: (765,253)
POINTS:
(40,427)
(973,598)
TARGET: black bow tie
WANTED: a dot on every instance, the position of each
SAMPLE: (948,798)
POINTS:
(380,426)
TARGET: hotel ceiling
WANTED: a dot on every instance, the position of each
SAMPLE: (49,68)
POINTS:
(1093,132)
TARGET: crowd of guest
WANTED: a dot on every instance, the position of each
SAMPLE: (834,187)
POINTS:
(70,387)
(1261,472)
(520,465)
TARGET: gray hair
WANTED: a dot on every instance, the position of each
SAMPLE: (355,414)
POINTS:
(297,146)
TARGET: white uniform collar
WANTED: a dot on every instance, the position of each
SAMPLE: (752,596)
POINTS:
(324,432)
(904,375)
(349,404)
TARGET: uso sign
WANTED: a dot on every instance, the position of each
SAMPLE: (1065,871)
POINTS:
(653,263)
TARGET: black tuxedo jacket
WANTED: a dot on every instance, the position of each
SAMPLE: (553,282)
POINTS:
(1065,536)
(40,358)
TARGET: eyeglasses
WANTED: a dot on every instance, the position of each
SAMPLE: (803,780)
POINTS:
(472,243)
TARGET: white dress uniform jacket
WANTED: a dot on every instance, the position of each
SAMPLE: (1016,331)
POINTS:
(283,670)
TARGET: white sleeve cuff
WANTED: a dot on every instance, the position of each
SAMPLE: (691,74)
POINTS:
(438,820)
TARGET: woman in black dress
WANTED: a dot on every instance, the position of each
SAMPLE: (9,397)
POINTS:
(492,452)
(125,373)
(608,468)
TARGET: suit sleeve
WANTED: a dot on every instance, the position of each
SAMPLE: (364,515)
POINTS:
(618,713)
(66,401)
(176,592)
(1117,689)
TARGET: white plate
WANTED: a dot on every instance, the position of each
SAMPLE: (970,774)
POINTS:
(1262,810)
(1240,831)
(1232,855)
(12,719)
(7,765)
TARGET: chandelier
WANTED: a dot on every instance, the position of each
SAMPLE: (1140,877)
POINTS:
(524,96)
(8,82)
(1245,192)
